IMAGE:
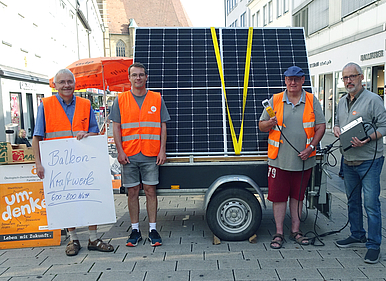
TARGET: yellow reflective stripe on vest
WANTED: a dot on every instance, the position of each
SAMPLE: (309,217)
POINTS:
(140,124)
(61,134)
(132,137)
(308,124)
(143,136)
(150,137)
(130,125)
(274,143)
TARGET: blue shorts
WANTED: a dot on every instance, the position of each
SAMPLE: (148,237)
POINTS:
(134,173)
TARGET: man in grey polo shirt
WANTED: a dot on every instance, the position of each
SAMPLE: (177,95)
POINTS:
(363,162)
(294,132)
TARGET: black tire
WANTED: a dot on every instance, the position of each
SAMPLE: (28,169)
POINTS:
(234,214)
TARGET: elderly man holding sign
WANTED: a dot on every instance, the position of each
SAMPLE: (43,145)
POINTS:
(66,116)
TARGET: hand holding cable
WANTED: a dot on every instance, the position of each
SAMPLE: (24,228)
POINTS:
(306,153)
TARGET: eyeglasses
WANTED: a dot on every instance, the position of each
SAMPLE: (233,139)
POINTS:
(63,82)
(294,79)
(135,75)
(351,77)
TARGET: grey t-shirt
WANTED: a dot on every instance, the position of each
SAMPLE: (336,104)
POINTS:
(115,116)
(287,158)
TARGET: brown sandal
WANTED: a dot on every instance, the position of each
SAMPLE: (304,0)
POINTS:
(99,245)
(278,242)
(72,248)
(299,238)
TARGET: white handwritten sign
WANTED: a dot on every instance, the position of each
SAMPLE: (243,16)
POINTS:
(77,182)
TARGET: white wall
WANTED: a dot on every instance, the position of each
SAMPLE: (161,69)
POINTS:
(39,37)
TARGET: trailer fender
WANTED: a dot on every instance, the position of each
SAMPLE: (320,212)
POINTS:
(232,178)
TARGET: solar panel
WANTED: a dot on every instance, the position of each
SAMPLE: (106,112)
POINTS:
(182,66)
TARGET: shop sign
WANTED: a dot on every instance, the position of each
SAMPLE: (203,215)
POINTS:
(23,221)
(27,86)
(321,63)
(372,55)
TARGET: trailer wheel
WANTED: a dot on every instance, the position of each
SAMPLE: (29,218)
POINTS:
(234,214)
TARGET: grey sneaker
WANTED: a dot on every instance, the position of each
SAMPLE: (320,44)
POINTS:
(351,242)
(372,256)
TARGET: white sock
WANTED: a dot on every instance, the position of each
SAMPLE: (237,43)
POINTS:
(135,226)
(73,235)
(93,235)
(152,225)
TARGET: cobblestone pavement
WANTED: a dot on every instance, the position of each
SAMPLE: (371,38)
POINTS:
(188,252)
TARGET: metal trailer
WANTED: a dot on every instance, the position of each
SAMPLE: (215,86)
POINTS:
(234,189)
(213,81)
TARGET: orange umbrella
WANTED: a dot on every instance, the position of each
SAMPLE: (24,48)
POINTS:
(101,73)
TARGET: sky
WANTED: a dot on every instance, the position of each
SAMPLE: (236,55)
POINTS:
(205,13)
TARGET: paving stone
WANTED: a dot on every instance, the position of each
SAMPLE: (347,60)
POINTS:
(279,263)
(237,264)
(177,256)
(256,274)
(17,271)
(108,266)
(294,274)
(197,265)
(342,273)
(163,266)
(320,263)
(213,275)
(182,275)
(78,276)
(121,275)
(70,268)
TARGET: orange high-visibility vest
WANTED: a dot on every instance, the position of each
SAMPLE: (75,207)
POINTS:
(308,124)
(57,124)
(140,128)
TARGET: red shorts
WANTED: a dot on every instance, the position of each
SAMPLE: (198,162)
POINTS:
(283,184)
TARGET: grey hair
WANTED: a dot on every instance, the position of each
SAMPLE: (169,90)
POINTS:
(64,71)
(357,67)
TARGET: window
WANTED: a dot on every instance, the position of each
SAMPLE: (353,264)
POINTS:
(350,6)
(318,11)
(265,15)
(279,8)
(301,19)
(120,49)
(270,11)
(253,21)
(243,18)
(285,6)
(258,19)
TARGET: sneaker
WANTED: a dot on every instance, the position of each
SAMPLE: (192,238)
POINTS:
(372,256)
(154,238)
(351,242)
(134,238)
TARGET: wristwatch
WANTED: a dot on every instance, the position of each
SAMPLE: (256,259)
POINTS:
(313,147)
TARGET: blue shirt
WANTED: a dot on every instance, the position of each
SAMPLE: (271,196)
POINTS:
(69,109)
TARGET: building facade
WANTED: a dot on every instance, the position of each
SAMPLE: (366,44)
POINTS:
(237,13)
(37,39)
(337,32)
(122,17)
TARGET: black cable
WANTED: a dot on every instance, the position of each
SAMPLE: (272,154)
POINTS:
(301,181)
